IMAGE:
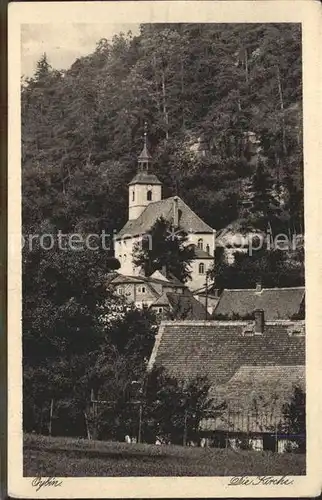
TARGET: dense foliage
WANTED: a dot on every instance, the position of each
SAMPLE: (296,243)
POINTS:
(271,268)
(164,247)
(234,90)
(82,128)
(295,417)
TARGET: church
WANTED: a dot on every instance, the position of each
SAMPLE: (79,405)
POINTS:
(146,206)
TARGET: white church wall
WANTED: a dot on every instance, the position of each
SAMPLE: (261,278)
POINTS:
(198,278)
(205,238)
(138,198)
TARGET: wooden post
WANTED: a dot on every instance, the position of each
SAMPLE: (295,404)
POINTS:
(185,428)
(140,423)
(206,301)
(87,428)
(51,416)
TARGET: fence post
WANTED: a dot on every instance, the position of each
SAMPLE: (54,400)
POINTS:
(140,423)
(185,428)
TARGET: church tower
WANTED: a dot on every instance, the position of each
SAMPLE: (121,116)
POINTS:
(144,188)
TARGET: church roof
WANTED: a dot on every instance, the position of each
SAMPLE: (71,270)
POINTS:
(277,303)
(144,155)
(145,178)
(189,221)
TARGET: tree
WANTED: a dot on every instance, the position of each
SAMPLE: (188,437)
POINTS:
(272,268)
(173,408)
(164,246)
(294,413)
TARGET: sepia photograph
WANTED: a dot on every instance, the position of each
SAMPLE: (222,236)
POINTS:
(163,252)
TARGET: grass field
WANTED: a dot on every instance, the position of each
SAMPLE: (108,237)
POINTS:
(44,456)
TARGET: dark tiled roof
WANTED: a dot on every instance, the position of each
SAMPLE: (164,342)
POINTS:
(254,397)
(189,221)
(261,384)
(218,349)
(121,278)
(145,178)
(184,305)
(277,303)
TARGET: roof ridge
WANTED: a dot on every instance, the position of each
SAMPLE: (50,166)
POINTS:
(264,288)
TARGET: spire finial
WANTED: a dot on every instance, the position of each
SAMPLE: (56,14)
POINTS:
(145,132)
(145,157)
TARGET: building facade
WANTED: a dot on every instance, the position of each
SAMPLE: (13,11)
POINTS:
(146,206)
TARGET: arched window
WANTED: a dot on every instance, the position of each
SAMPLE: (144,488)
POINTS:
(201,268)
(125,256)
(200,243)
(133,195)
(208,249)
(149,195)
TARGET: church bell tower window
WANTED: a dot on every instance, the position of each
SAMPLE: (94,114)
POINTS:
(149,195)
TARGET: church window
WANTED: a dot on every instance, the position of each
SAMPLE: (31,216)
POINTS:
(208,249)
(201,268)
(149,195)
(143,289)
(200,244)
(133,195)
(125,256)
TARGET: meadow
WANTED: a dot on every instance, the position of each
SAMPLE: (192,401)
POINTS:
(69,457)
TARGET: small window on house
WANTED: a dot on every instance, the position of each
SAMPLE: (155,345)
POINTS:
(160,310)
(149,195)
(200,243)
(201,268)
(125,256)
(208,249)
(133,195)
(120,291)
(120,257)
(143,289)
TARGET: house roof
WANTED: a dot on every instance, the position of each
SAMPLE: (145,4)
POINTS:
(246,372)
(258,385)
(218,349)
(184,305)
(277,303)
(188,220)
(254,397)
(123,279)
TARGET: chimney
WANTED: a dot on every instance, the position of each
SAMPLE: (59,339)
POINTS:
(258,287)
(175,212)
(259,321)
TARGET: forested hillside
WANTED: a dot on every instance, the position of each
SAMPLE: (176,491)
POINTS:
(82,128)
(234,90)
